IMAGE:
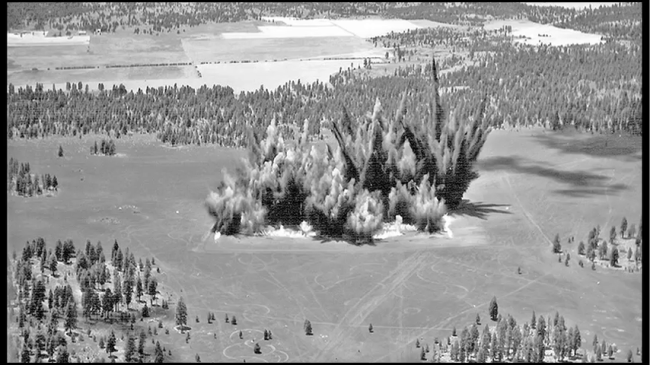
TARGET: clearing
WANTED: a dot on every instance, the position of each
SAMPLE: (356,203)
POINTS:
(532,186)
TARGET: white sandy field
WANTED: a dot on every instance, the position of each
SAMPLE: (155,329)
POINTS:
(532,31)
(39,39)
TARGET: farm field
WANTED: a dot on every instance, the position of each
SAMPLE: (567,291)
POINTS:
(243,41)
(408,287)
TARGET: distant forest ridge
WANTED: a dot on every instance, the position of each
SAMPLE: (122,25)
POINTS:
(616,21)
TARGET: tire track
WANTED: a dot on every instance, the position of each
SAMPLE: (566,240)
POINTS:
(371,300)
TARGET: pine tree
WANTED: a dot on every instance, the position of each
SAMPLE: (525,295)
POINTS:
(129,352)
(623,227)
(417,343)
(110,344)
(153,287)
(557,247)
(494,308)
(614,258)
(145,311)
(71,317)
(532,321)
(257,349)
(612,235)
(141,342)
(370,328)
(60,151)
(181,314)
(234,321)
(478,319)
(138,288)
(308,329)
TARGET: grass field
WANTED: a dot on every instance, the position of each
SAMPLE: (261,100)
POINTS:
(532,186)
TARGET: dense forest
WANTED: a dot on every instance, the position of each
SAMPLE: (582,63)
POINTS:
(619,21)
(46,310)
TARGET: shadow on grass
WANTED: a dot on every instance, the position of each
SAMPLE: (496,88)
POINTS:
(478,210)
(581,183)
(596,145)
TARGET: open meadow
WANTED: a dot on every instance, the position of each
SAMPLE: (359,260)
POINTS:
(533,185)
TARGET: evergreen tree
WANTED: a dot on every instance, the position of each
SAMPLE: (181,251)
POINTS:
(153,287)
(257,349)
(234,321)
(370,328)
(557,247)
(60,151)
(143,338)
(623,227)
(478,319)
(612,235)
(110,344)
(145,311)
(494,308)
(614,257)
(308,329)
(129,352)
(577,339)
(181,313)
(581,248)
(541,326)
(138,288)
(71,317)
(532,321)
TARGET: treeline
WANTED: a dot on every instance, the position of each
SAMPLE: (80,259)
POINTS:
(157,17)
(23,182)
(178,115)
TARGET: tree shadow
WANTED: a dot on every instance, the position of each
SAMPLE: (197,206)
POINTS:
(581,183)
(478,210)
(596,145)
